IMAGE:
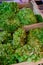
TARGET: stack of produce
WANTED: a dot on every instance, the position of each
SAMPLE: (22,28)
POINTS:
(17,45)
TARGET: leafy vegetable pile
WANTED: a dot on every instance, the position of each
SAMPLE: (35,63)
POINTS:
(35,40)
(17,45)
(33,47)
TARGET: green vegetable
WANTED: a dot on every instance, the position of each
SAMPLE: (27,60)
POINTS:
(26,16)
(22,54)
(19,38)
(7,54)
(35,41)
(4,36)
(7,16)
(27,53)
(39,18)
(11,25)
(37,34)
(8,10)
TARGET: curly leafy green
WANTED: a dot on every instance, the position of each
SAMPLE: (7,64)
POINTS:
(7,54)
(19,38)
(27,53)
(11,25)
(35,41)
(26,16)
(4,36)
(37,34)
(8,10)
(7,16)
(22,53)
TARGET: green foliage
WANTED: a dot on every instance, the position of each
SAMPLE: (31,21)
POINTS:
(26,16)
(11,25)
(35,41)
(27,53)
(39,18)
(7,54)
(22,53)
(19,38)
(4,37)
(37,34)
(7,16)
(8,10)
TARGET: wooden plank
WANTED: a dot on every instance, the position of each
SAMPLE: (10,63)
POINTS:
(33,26)
(25,63)
(32,63)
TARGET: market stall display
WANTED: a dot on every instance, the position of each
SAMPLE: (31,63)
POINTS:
(16,44)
